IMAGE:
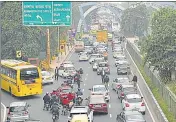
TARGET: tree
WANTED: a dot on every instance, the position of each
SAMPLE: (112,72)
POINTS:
(135,21)
(161,50)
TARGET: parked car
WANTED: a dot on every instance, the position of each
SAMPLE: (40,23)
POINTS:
(77,110)
(126,89)
(119,81)
(97,103)
(47,77)
(18,111)
(130,116)
(133,102)
(100,89)
(103,65)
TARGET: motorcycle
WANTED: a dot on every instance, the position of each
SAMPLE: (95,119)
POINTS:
(55,117)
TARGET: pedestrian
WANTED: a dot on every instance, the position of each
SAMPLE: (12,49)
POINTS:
(135,81)
(103,75)
(56,73)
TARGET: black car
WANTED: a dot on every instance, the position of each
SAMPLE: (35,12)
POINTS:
(130,116)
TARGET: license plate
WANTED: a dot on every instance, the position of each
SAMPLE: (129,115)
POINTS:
(135,109)
(97,105)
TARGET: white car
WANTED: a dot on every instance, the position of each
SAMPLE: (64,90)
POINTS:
(116,54)
(47,78)
(101,90)
(83,57)
(133,102)
(93,57)
(119,81)
(120,62)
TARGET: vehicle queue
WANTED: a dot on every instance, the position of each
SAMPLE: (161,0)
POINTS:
(70,102)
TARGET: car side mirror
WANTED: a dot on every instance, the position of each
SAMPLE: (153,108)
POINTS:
(90,89)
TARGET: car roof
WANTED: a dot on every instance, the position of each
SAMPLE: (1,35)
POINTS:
(120,78)
(96,86)
(68,65)
(79,109)
(96,99)
(131,96)
(14,104)
(127,85)
(132,112)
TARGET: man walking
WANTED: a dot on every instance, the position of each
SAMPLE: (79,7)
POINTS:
(135,81)
(56,73)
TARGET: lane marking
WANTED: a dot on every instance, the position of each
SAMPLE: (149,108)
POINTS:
(109,105)
(83,90)
(85,78)
(4,114)
(110,115)
(84,84)
(86,74)
(139,87)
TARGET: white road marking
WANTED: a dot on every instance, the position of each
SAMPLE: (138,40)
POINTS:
(86,74)
(140,89)
(108,84)
(4,114)
(110,115)
(84,84)
(109,105)
(85,78)
(83,90)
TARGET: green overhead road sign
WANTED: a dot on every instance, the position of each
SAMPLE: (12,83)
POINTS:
(47,13)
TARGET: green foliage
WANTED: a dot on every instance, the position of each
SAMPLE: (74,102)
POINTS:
(157,95)
(160,51)
(135,21)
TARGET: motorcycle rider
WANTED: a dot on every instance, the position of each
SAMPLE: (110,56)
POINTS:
(81,71)
(65,104)
(103,73)
(79,92)
(55,109)
(46,99)
(78,78)
(53,99)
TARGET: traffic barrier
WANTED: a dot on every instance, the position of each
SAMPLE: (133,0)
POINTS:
(148,95)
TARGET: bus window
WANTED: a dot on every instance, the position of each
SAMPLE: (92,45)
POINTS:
(29,74)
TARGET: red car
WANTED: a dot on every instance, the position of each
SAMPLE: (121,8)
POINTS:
(64,92)
(98,104)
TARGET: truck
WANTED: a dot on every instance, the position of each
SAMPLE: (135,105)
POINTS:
(102,36)
(79,46)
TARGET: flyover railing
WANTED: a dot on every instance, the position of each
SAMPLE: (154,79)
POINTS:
(165,93)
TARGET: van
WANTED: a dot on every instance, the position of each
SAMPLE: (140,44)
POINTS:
(79,46)
(80,118)
(67,70)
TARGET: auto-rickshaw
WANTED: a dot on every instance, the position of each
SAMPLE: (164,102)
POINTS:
(80,118)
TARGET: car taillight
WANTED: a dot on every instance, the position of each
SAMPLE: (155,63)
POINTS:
(104,105)
(90,105)
(8,112)
(25,113)
(127,105)
(143,104)
(122,94)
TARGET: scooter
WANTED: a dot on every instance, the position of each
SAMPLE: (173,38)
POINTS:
(55,117)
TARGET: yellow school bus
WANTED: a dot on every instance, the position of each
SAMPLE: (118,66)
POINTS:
(20,78)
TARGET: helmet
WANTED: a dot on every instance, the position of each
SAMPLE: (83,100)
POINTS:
(47,93)
(79,89)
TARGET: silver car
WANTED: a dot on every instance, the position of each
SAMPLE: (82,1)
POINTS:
(18,111)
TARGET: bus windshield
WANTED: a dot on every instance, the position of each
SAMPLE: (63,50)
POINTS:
(29,73)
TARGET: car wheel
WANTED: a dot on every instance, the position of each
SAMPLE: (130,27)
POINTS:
(143,113)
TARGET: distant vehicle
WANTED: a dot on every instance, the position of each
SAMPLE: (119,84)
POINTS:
(130,116)
(118,82)
(93,57)
(79,46)
(123,69)
(26,79)
(102,90)
(117,54)
(80,117)
(133,102)
(123,61)
(83,57)
(126,89)
(18,111)
(98,104)
(101,66)
(67,70)
(81,110)
(47,78)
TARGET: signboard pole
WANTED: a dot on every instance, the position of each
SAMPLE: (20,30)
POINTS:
(48,47)
(58,43)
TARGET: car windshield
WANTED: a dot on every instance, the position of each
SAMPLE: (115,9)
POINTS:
(45,74)
(66,90)
(17,109)
(70,68)
(29,73)
(134,100)
(99,89)
(103,65)
(134,117)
